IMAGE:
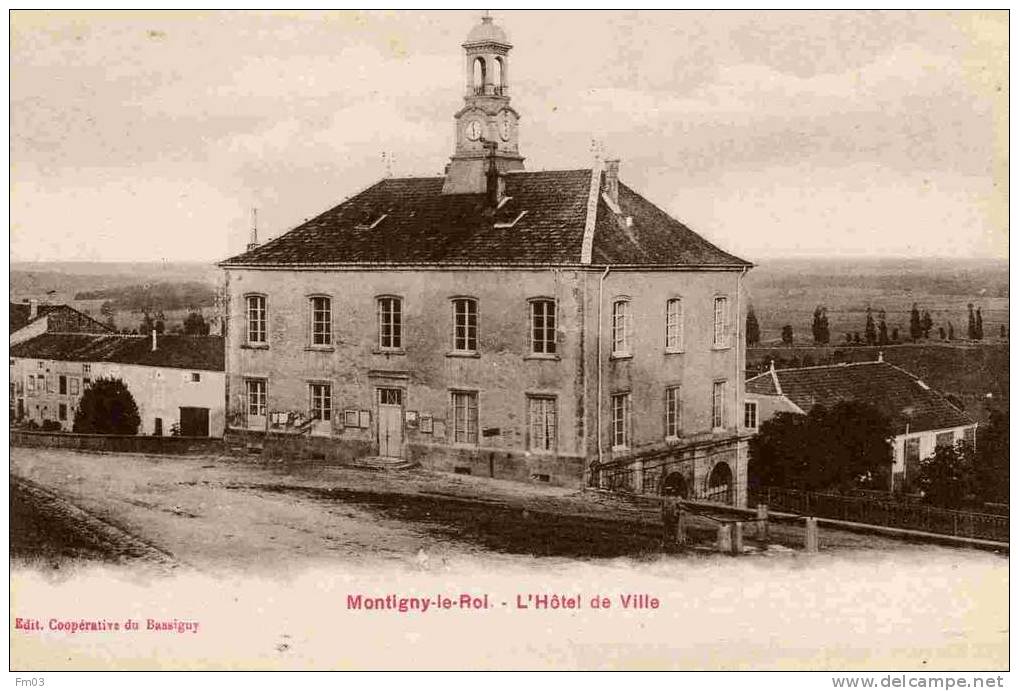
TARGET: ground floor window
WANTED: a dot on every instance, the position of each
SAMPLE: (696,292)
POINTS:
(750,414)
(465,417)
(256,396)
(621,421)
(944,439)
(321,401)
(673,420)
(911,450)
(542,423)
(62,411)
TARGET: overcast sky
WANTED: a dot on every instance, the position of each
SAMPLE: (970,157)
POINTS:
(146,136)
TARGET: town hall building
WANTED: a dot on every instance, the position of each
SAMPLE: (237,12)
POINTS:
(548,326)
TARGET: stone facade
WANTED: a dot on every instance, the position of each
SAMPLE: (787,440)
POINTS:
(503,373)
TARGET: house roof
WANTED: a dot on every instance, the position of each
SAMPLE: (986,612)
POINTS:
(543,222)
(902,397)
(176,351)
(20,313)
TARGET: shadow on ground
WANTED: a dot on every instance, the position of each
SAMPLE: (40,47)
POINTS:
(501,527)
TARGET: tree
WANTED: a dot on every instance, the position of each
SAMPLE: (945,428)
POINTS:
(753,328)
(992,458)
(856,338)
(915,327)
(947,478)
(882,329)
(869,331)
(147,324)
(787,334)
(895,335)
(849,338)
(195,325)
(107,407)
(951,332)
(979,326)
(941,332)
(971,329)
(106,310)
(926,323)
(840,447)
(160,323)
(819,328)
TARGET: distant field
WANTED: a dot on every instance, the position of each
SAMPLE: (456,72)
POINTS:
(787,292)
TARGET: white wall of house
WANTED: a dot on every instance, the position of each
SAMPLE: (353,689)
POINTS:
(159,392)
(928,443)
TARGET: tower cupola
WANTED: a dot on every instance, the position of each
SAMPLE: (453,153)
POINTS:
(486,116)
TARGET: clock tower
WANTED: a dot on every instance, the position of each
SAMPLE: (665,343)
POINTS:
(486,116)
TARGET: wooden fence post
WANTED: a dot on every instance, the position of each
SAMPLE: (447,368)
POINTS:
(762,521)
(810,538)
(724,538)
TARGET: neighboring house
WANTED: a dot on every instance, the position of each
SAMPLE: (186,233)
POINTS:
(175,380)
(922,418)
(528,325)
(30,319)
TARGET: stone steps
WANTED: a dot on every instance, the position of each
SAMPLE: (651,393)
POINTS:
(381,463)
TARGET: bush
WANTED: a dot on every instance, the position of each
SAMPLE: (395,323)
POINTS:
(50,426)
(841,447)
(107,407)
(947,478)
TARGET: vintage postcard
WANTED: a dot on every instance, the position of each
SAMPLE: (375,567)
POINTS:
(510,340)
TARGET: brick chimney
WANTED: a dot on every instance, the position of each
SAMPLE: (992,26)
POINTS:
(612,180)
(493,180)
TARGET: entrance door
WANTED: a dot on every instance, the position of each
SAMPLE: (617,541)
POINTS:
(390,423)
(194,422)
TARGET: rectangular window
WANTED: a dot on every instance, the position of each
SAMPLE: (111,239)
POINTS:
(911,450)
(196,376)
(718,405)
(85,381)
(390,323)
(969,435)
(621,327)
(321,321)
(621,421)
(256,397)
(543,327)
(750,414)
(721,339)
(49,384)
(465,325)
(541,423)
(673,412)
(62,386)
(944,439)
(31,385)
(465,418)
(86,368)
(74,386)
(321,401)
(674,325)
(62,411)
(257,332)
(157,427)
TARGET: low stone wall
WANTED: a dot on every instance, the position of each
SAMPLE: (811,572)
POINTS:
(117,443)
(566,471)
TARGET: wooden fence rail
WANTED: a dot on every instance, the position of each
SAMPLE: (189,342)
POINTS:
(893,514)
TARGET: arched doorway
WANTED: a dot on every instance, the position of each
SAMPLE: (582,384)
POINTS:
(720,485)
(675,486)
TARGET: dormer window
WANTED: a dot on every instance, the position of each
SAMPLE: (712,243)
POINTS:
(371,220)
(510,224)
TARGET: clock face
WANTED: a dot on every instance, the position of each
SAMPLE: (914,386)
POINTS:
(474,130)
(505,127)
